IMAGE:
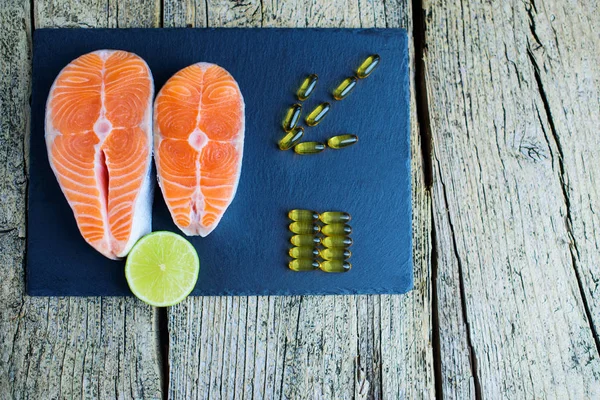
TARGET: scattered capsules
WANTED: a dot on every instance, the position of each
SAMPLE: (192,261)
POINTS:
(304,228)
(303,215)
(336,241)
(337,229)
(309,148)
(344,88)
(341,141)
(292,117)
(307,87)
(338,253)
(317,115)
(305,240)
(335,266)
(303,264)
(368,66)
(303,252)
(332,217)
(291,138)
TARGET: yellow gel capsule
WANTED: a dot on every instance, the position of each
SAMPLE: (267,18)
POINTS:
(317,114)
(304,228)
(292,117)
(303,264)
(291,138)
(307,87)
(336,241)
(368,66)
(335,266)
(309,148)
(332,217)
(305,240)
(344,88)
(303,252)
(341,141)
(337,253)
(303,215)
(336,230)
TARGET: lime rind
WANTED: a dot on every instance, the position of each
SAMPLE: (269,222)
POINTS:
(174,253)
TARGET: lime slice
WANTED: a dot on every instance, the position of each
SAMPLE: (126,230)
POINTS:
(162,269)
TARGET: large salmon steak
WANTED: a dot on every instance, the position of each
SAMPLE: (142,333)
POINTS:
(199,140)
(98,131)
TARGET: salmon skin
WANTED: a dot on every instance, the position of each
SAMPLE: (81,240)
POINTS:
(199,139)
(99,142)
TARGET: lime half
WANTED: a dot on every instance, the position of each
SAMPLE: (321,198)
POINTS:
(162,269)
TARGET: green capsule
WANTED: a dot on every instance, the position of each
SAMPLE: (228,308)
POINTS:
(337,253)
(336,241)
(332,217)
(304,228)
(309,148)
(317,114)
(307,87)
(303,215)
(305,240)
(303,264)
(337,229)
(304,252)
(335,266)
(344,88)
(341,141)
(291,138)
(292,117)
(368,66)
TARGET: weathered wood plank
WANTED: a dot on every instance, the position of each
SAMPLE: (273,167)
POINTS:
(565,50)
(59,347)
(306,347)
(97,14)
(506,283)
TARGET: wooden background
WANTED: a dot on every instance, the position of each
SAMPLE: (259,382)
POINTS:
(506,193)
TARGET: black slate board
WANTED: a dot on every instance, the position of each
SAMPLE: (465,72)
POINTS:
(247,253)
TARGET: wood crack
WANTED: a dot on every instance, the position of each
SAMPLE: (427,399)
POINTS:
(462,292)
(163,348)
(573,248)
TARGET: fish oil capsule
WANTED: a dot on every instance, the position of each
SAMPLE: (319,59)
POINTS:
(344,88)
(332,217)
(303,264)
(317,114)
(292,116)
(336,241)
(335,266)
(337,253)
(303,215)
(307,87)
(368,66)
(304,228)
(309,148)
(292,138)
(303,252)
(341,141)
(305,240)
(337,229)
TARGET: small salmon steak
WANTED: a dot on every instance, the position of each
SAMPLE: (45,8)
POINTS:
(198,140)
(99,139)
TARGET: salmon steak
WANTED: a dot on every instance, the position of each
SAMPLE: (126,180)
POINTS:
(99,140)
(198,141)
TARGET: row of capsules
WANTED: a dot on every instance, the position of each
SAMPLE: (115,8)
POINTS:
(309,236)
(294,133)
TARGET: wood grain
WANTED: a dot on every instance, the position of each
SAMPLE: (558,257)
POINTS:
(315,346)
(510,89)
(59,347)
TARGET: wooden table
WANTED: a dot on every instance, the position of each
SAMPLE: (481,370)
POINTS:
(506,177)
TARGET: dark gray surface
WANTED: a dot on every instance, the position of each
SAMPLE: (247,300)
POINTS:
(247,253)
